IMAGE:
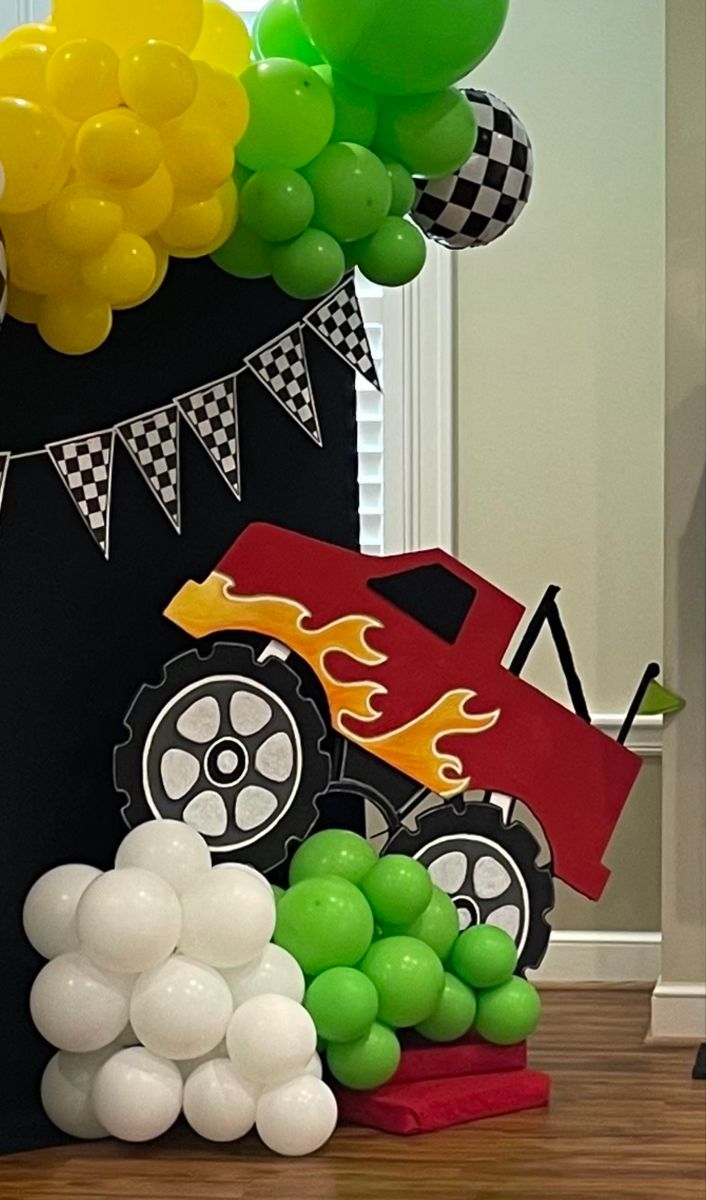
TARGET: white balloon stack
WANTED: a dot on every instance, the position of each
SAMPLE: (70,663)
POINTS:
(163,994)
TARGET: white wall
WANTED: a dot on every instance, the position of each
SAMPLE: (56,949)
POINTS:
(561,339)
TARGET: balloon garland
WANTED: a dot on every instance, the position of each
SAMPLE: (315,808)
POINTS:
(118,122)
(134,130)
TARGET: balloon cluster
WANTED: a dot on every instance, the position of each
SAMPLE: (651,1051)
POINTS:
(163,993)
(348,103)
(381,947)
(118,122)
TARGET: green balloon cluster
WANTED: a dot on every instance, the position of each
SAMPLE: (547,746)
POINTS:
(347,104)
(381,949)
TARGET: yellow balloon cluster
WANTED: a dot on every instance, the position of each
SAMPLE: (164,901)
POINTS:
(118,126)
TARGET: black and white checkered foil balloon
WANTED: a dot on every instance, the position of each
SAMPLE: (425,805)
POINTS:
(484,199)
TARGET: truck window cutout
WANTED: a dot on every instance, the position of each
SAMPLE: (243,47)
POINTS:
(433,596)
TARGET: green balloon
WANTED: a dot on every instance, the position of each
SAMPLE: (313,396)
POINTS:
(356,109)
(484,956)
(398,889)
(430,135)
(455,1014)
(437,926)
(277,204)
(241,175)
(394,255)
(508,1014)
(367,1063)
(324,923)
(291,115)
(404,47)
(409,979)
(333,852)
(244,255)
(404,189)
(343,1004)
(352,191)
(278,891)
(279,33)
(310,266)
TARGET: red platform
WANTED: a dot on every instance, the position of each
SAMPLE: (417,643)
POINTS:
(437,1087)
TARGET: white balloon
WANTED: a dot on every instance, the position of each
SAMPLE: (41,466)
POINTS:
(137,1096)
(170,849)
(271,1039)
(297,1118)
(315,1067)
(218,1104)
(181,1009)
(128,921)
(228,918)
(66,1093)
(275,973)
(49,915)
(77,1006)
(188,1065)
(231,866)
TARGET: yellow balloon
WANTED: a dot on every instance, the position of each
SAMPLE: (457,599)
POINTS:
(192,224)
(162,257)
(123,272)
(118,149)
(36,264)
(82,79)
(228,201)
(221,103)
(23,72)
(33,34)
(145,208)
(126,23)
(75,322)
(23,306)
(158,81)
(225,41)
(35,156)
(197,158)
(82,219)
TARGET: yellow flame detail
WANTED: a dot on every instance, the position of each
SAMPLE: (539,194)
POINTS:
(203,609)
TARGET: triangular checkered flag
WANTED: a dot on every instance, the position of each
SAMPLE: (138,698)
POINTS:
(339,322)
(153,442)
(86,468)
(212,413)
(282,367)
(4,468)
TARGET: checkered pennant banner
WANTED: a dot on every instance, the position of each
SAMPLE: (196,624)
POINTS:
(153,442)
(212,413)
(4,468)
(282,367)
(86,468)
(339,322)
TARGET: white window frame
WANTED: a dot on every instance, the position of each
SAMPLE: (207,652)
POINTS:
(417,489)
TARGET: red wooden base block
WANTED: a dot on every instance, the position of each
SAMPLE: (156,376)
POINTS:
(469,1056)
(423,1107)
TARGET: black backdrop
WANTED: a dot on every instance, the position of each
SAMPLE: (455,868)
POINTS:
(79,635)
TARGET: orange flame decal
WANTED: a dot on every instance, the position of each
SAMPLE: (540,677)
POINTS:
(203,609)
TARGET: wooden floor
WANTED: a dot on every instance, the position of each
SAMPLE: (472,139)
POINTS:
(626,1120)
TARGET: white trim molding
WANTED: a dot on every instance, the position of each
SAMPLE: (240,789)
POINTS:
(577,956)
(645,737)
(679,1011)
(419,410)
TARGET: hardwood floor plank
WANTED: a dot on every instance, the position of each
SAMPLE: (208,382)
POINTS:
(626,1121)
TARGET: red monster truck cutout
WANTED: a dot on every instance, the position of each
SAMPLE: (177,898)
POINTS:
(382,679)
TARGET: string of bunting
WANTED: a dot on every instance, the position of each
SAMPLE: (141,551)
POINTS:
(85,463)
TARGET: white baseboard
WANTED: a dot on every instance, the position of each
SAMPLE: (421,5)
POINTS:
(645,736)
(679,1011)
(576,956)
